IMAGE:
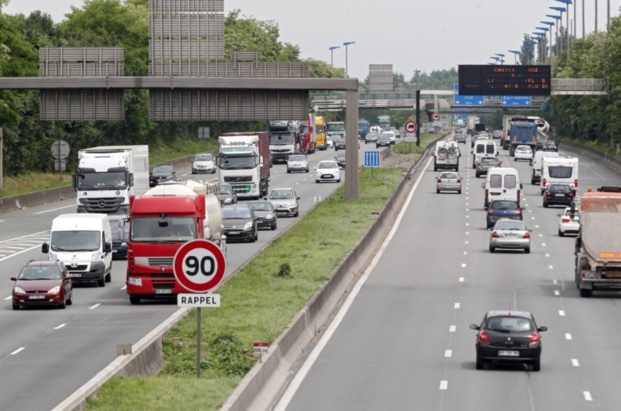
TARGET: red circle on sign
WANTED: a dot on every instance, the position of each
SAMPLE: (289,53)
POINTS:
(436,116)
(199,266)
(410,126)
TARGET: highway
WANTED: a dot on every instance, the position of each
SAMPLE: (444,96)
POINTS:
(57,351)
(402,340)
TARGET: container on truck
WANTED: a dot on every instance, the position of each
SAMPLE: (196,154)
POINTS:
(522,133)
(307,138)
(320,133)
(108,175)
(598,245)
(363,128)
(383,121)
(160,221)
(83,242)
(283,141)
(244,163)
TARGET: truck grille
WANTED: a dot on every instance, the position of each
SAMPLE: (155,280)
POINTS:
(238,179)
(78,267)
(101,205)
(160,261)
(241,188)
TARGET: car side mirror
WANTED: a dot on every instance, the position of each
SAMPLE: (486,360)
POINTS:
(522,208)
(474,327)
(13,279)
(314,168)
(542,328)
(482,185)
(530,230)
(521,186)
(107,248)
(297,198)
(45,248)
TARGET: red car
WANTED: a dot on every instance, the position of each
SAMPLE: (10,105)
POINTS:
(42,283)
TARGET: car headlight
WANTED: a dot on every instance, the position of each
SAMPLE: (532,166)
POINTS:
(228,200)
(269,217)
(19,290)
(137,281)
(248,226)
(95,257)
(54,290)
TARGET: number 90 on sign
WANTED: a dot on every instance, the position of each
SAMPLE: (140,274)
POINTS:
(199,266)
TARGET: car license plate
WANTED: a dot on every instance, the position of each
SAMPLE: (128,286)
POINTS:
(114,251)
(613,273)
(508,353)
(495,194)
(234,232)
(36,297)
(75,275)
(163,291)
(559,195)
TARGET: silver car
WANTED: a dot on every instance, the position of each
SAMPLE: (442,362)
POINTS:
(285,201)
(297,162)
(448,181)
(511,234)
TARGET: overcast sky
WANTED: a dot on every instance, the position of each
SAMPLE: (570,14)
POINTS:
(411,35)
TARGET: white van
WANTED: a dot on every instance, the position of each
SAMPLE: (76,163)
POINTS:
(446,156)
(83,242)
(502,183)
(559,171)
(537,164)
(483,148)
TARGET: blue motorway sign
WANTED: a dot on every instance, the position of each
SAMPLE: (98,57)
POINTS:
(520,101)
(468,100)
(371,158)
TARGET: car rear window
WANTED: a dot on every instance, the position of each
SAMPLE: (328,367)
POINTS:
(449,175)
(510,181)
(560,188)
(560,172)
(510,225)
(495,181)
(504,205)
(490,149)
(509,324)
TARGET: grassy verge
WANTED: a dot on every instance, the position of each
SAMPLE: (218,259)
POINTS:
(257,305)
(595,145)
(32,182)
(411,148)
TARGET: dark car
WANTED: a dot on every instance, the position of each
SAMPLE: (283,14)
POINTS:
(42,283)
(239,223)
(508,337)
(227,195)
(161,174)
(265,213)
(503,209)
(339,143)
(558,194)
(485,163)
(549,146)
(382,141)
(340,159)
(371,137)
(120,235)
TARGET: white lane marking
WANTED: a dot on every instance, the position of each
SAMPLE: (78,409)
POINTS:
(467,209)
(466,242)
(20,349)
(443,384)
(568,336)
(463,266)
(551,267)
(543,244)
(547,255)
(587,396)
(303,371)
(59,327)
(8,298)
(452,328)
(467,232)
(467,224)
(561,313)
(467,198)
(575,362)
(55,209)
(530,211)
(465,252)
(124,287)
(540,235)
(457,306)
(448,353)
(461,279)
(555,281)
(536,226)
(94,306)
(467,203)
(557,292)
(532,218)
(2,221)
(467,216)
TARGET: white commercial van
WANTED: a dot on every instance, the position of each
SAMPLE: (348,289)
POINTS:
(83,242)
(483,148)
(537,164)
(446,156)
(502,183)
(559,171)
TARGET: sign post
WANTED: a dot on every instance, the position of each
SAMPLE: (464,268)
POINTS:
(410,127)
(60,151)
(372,160)
(199,266)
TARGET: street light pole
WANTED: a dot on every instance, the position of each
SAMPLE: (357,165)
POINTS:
(596,16)
(346,44)
(515,54)
(332,54)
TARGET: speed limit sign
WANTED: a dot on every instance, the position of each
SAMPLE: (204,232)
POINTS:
(199,266)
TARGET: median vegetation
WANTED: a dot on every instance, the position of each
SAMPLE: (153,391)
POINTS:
(257,305)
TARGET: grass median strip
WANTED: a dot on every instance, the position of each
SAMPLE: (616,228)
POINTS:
(257,305)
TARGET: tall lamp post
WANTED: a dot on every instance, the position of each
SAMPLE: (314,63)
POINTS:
(549,24)
(515,54)
(560,10)
(568,3)
(557,18)
(332,54)
(346,44)
(502,58)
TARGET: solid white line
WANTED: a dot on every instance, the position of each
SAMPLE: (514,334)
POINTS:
(561,313)
(448,353)
(124,287)
(556,292)
(94,306)
(452,328)
(299,377)
(20,349)
(575,362)
(8,298)
(59,327)
(457,306)
(55,209)
(568,336)
(587,396)
(443,384)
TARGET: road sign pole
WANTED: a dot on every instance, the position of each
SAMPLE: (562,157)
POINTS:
(418,118)
(60,168)
(198,342)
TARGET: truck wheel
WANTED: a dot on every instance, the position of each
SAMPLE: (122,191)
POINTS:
(134,299)
(109,276)
(102,281)
(585,292)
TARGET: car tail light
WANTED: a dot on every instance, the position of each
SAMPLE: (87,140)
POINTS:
(534,338)
(526,235)
(490,210)
(459,180)
(495,234)
(571,193)
(576,183)
(547,193)
(484,336)
(439,180)
(519,211)
(565,219)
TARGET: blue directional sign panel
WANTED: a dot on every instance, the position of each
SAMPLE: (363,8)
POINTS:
(519,101)
(371,158)
(468,100)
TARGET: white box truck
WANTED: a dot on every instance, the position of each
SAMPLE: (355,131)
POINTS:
(108,175)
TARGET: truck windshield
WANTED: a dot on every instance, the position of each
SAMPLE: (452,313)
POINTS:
(336,127)
(102,181)
(319,128)
(157,230)
(75,240)
(229,162)
(284,139)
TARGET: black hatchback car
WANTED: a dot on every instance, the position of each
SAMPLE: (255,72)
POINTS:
(160,174)
(509,337)
(503,209)
(558,194)
(240,223)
